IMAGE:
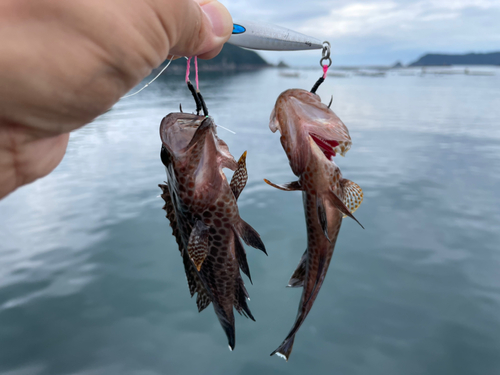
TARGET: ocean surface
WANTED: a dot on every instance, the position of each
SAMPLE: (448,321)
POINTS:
(91,281)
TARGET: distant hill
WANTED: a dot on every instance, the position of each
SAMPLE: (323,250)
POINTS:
(231,58)
(433,59)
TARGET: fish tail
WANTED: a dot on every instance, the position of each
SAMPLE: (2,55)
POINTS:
(285,348)
(227,323)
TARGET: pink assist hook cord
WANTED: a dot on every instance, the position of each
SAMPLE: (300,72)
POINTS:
(325,69)
(195,71)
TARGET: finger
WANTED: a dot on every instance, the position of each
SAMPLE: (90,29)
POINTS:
(195,28)
(29,162)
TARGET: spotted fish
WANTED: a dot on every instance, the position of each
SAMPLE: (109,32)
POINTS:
(202,210)
(311,134)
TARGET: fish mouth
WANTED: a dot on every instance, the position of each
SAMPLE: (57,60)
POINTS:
(327,146)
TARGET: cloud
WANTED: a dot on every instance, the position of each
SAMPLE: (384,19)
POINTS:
(377,30)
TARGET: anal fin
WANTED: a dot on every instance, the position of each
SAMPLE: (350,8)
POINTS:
(240,302)
(353,195)
(202,300)
(297,279)
(240,176)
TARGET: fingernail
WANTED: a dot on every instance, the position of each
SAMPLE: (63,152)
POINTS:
(215,16)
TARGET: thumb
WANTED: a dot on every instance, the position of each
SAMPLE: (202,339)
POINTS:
(196,27)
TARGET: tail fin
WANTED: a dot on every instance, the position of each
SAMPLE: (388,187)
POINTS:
(227,323)
(230,333)
(285,348)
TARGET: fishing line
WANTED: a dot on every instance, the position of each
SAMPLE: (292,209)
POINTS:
(150,82)
(230,131)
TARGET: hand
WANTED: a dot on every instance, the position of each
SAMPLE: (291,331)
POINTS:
(63,63)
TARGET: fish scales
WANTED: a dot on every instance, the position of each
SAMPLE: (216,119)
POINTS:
(311,135)
(203,213)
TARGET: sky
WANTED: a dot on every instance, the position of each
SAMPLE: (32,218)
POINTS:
(364,32)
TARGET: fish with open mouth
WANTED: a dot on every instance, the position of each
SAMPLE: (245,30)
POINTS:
(311,135)
(203,213)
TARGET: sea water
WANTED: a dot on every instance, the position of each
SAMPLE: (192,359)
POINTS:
(91,281)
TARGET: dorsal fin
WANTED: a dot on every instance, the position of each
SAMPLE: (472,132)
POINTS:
(240,177)
(169,208)
(353,195)
(297,279)
(194,283)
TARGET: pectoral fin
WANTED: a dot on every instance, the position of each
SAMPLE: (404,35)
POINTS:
(337,202)
(240,177)
(353,195)
(291,186)
(198,244)
(322,216)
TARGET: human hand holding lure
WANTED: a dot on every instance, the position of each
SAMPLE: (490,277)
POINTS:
(61,70)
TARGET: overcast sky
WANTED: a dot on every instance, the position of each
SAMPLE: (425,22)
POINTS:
(379,31)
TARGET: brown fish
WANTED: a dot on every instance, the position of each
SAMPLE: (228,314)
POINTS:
(311,134)
(201,206)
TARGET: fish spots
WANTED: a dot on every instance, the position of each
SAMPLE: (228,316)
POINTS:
(207,214)
(217,223)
